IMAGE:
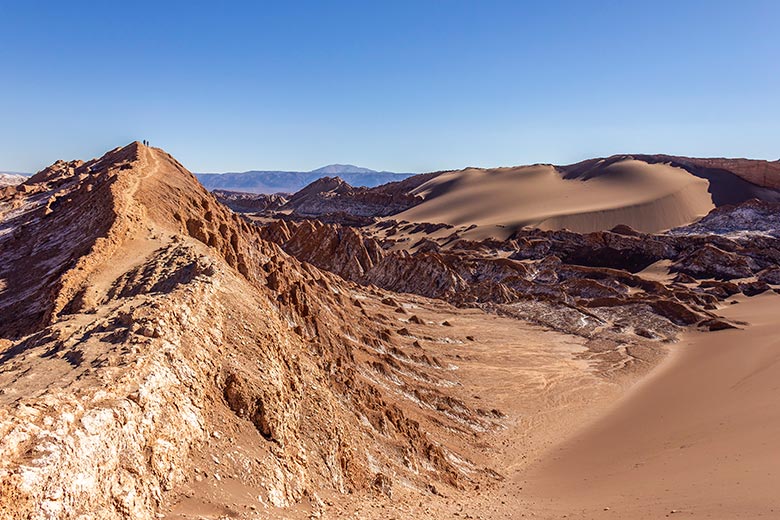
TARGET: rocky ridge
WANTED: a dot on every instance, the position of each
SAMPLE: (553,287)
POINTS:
(146,328)
(754,217)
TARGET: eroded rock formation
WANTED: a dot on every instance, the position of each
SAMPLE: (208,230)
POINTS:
(153,341)
(558,268)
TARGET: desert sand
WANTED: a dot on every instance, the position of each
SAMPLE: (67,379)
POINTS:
(647,197)
(697,438)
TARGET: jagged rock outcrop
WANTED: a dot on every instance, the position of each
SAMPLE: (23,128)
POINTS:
(476,274)
(562,269)
(41,253)
(770,276)
(144,328)
(242,202)
(337,249)
(331,195)
(632,252)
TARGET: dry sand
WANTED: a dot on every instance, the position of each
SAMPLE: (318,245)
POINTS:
(697,438)
(647,197)
(533,375)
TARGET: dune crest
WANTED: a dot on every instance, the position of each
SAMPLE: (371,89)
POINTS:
(648,197)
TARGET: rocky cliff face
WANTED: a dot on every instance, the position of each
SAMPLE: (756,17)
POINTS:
(338,249)
(152,341)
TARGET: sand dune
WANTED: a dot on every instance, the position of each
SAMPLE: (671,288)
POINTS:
(698,438)
(648,197)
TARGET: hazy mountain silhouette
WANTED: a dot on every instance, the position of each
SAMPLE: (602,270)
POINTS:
(256,181)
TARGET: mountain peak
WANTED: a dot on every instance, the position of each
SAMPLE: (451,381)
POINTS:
(338,169)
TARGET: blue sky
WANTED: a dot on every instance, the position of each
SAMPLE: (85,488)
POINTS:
(398,85)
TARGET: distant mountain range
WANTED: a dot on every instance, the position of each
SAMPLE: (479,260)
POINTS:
(291,181)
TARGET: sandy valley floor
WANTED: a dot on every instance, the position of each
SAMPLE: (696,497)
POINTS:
(697,438)
(694,438)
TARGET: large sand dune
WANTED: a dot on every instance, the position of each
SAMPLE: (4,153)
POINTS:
(648,197)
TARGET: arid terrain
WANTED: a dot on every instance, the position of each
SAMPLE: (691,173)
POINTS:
(595,340)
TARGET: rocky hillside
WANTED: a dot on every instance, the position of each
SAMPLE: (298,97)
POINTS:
(154,347)
(333,195)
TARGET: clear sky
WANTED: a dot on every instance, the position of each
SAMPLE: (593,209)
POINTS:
(399,85)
